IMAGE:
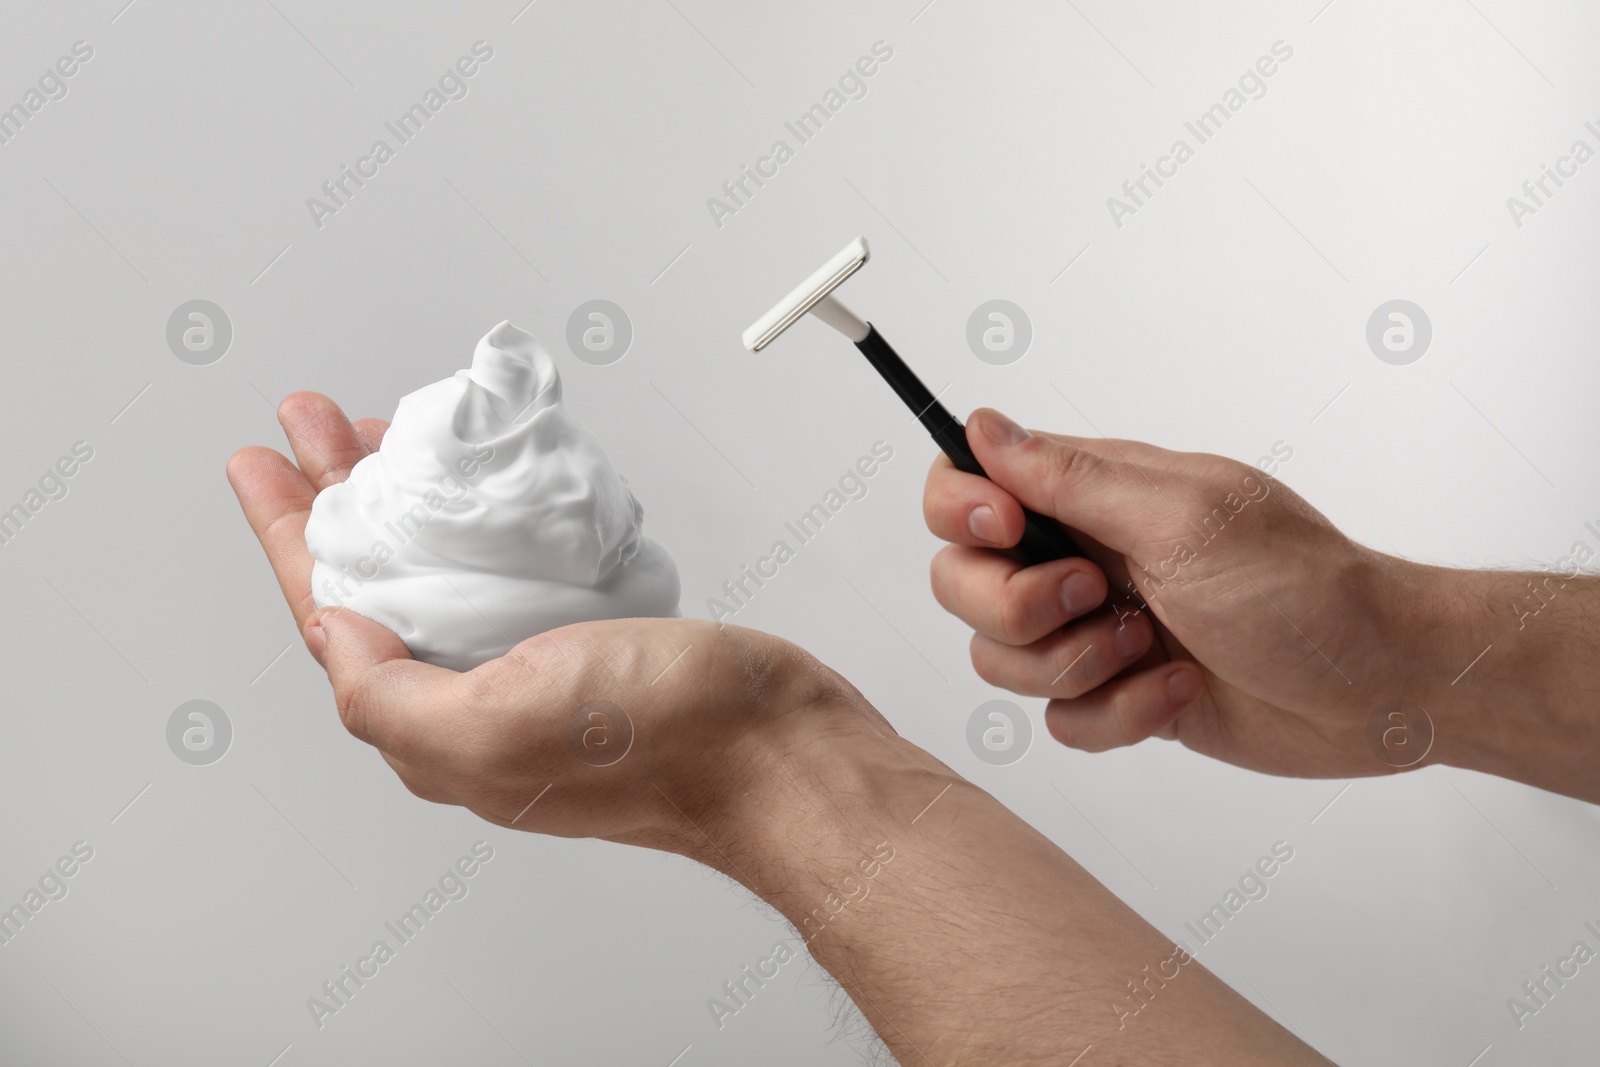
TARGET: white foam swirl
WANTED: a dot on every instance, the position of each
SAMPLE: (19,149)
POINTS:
(487,516)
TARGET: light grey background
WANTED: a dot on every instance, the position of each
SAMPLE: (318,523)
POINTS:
(1228,314)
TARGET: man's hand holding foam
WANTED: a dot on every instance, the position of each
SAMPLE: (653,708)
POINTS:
(486,516)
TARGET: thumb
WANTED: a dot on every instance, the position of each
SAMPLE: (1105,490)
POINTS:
(350,644)
(1111,500)
(380,690)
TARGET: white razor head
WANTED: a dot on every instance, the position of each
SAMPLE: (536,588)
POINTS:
(807,295)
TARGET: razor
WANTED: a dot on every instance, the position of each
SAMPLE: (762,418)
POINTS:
(1043,539)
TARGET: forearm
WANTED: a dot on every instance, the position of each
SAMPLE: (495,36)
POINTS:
(1508,668)
(963,935)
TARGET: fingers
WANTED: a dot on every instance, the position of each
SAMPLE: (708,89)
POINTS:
(967,509)
(325,444)
(276,499)
(1065,664)
(385,697)
(1109,499)
(1127,710)
(371,432)
(276,495)
(1012,603)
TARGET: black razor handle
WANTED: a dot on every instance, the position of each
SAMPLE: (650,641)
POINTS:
(1043,539)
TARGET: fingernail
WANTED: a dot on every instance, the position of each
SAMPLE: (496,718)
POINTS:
(1130,641)
(984,524)
(1001,430)
(317,642)
(1079,594)
(1183,687)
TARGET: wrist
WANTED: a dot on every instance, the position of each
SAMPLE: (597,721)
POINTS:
(1425,627)
(824,784)
(1496,689)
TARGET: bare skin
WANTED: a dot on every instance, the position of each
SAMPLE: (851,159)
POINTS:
(1244,625)
(964,936)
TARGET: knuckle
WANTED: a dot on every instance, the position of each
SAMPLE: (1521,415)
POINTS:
(1064,724)
(984,661)
(1073,676)
(1063,462)
(1092,740)
(934,494)
(361,704)
(1014,617)
(497,683)
(354,704)
(1066,469)
(1122,715)
(479,687)
(930,509)
(940,578)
